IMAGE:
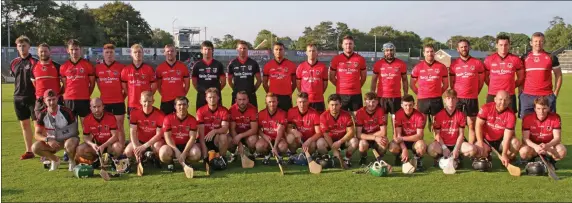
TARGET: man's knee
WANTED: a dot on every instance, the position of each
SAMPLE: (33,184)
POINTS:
(322,146)
(251,142)
(282,146)
(526,152)
(222,140)
(420,147)
(71,144)
(166,154)
(353,144)
(38,147)
(394,148)
(514,145)
(561,152)
(290,138)
(195,153)
(363,145)
(468,150)
(434,149)
(129,150)
(116,149)
(261,146)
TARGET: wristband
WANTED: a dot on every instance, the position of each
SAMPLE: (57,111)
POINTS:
(443,147)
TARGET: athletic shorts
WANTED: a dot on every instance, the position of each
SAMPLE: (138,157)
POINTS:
(527,103)
(512,105)
(129,109)
(211,145)
(181,147)
(284,102)
(251,99)
(168,107)
(24,108)
(409,145)
(430,106)
(469,107)
(391,105)
(117,109)
(372,144)
(318,106)
(202,99)
(497,145)
(79,107)
(351,102)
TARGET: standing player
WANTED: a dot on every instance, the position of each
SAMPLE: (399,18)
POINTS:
(312,78)
(348,74)
(371,127)
(243,123)
(433,81)
(137,78)
(280,77)
(337,127)
(208,73)
(392,75)
(79,81)
(108,77)
(45,75)
(538,65)
(467,79)
(500,69)
(272,122)
(213,121)
(172,79)
(409,124)
(495,124)
(241,74)
(303,126)
(541,133)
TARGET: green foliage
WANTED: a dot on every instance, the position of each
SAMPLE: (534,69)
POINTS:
(558,35)
(228,42)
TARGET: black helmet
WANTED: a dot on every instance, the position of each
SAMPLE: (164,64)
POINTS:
(482,164)
(218,163)
(535,169)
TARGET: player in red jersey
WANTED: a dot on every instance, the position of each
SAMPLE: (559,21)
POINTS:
(172,79)
(79,81)
(371,127)
(45,75)
(409,124)
(243,123)
(136,78)
(541,133)
(280,77)
(495,124)
(272,122)
(99,135)
(467,76)
(108,78)
(180,134)
(145,129)
(303,126)
(213,121)
(500,69)
(348,74)
(449,131)
(338,131)
(538,65)
(312,78)
(433,80)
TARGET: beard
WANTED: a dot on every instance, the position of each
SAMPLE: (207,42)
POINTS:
(44,58)
(464,53)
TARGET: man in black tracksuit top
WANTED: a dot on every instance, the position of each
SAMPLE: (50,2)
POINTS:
(241,74)
(207,72)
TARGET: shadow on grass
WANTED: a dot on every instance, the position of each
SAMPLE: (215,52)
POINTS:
(9,192)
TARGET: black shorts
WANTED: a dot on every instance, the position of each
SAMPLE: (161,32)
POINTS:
(351,102)
(284,102)
(430,106)
(409,145)
(129,109)
(497,145)
(211,145)
(251,98)
(342,147)
(391,105)
(469,107)
(372,144)
(318,106)
(202,99)
(168,107)
(79,107)
(24,108)
(512,105)
(115,108)
(181,147)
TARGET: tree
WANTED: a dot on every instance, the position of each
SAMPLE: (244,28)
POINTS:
(113,17)
(558,35)
(262,36)
(437,45)
(228,42)
(161,38)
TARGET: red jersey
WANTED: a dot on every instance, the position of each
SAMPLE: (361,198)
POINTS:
(243,118)
(389,77)
(109,82)
(370,123)
(541,131)
(348,72)
(280,75)
(466,75)
(77,79)
(46,76)
(147,124)
(305,123)
(409,123)
(335,127)
(180,128)
(171,78)
(138,79)
(429,79)
(538,68)
(269,123)
(502,72)
(496,122)
(212,119)
(100,129)
(312,77)
(449,125)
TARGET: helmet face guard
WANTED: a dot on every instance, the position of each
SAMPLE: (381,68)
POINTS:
(482,165)
(388,45)
(536,169)
(379,169)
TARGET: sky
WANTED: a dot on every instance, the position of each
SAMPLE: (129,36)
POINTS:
(439,20)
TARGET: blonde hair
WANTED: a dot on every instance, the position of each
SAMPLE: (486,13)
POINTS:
(136,46)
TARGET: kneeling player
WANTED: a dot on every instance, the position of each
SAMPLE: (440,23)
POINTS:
(303,126)
(213,125)
(449,131)
(100,135)
(243,123)
(180,133)
(371,128)
(409,124)
(541,133)
(272,122)
(338,129)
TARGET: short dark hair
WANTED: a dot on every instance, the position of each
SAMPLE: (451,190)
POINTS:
(370,96)
(538,34)
(428,46)
(278,44)
(543,101)
(242,92)
(72,42)
(44,45)
(109,46)
(181,99)
(208,44)
(303,95)
(311,45)
(270,94)
(464,40)
(349,37)
(334,97)
(502,37)
(242,42)
(407,98)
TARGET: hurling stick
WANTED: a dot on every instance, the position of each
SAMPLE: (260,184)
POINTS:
(513,170)
(314,167)
(102,171)
(550,168)
(189,171)
(246,162)
(275,157)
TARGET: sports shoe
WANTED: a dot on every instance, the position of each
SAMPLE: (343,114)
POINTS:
(156,162)
(363,161)
(45,162)
(266,160)
(419,167)
(66,157)
(291,159)
(171,168)
(71,165)
(280,160)
(27,155)
(54,165)
(96,164)
(232,157)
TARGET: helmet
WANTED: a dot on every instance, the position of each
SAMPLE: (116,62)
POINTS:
(443,162)
(218,163)
(388,45)
(300,159)
(121,164)
(326,161)
(535,169)
(379,169)
(83,171)
(482,164)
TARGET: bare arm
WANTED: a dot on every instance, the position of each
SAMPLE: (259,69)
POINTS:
(556,133)
(526,139)
(133,135)
(91,84)
(519,78)
(40,134)
(333,78)
(192,140)
(299,85)
(445,82)
(230,81)
(186,82)
(487,77)
(414,85)
(158,83)
(558,79)
(363,75)
(405,84)
(349,134)
(479,129)
(325,83)
(265,83)
(110,141)
(280,134)
(398,135)
(154,87)
(414,138)
(453,79)
(506,144)
(195,83)
(294,83)
(222,80)
(258,81)
(157,137)
(373,86)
